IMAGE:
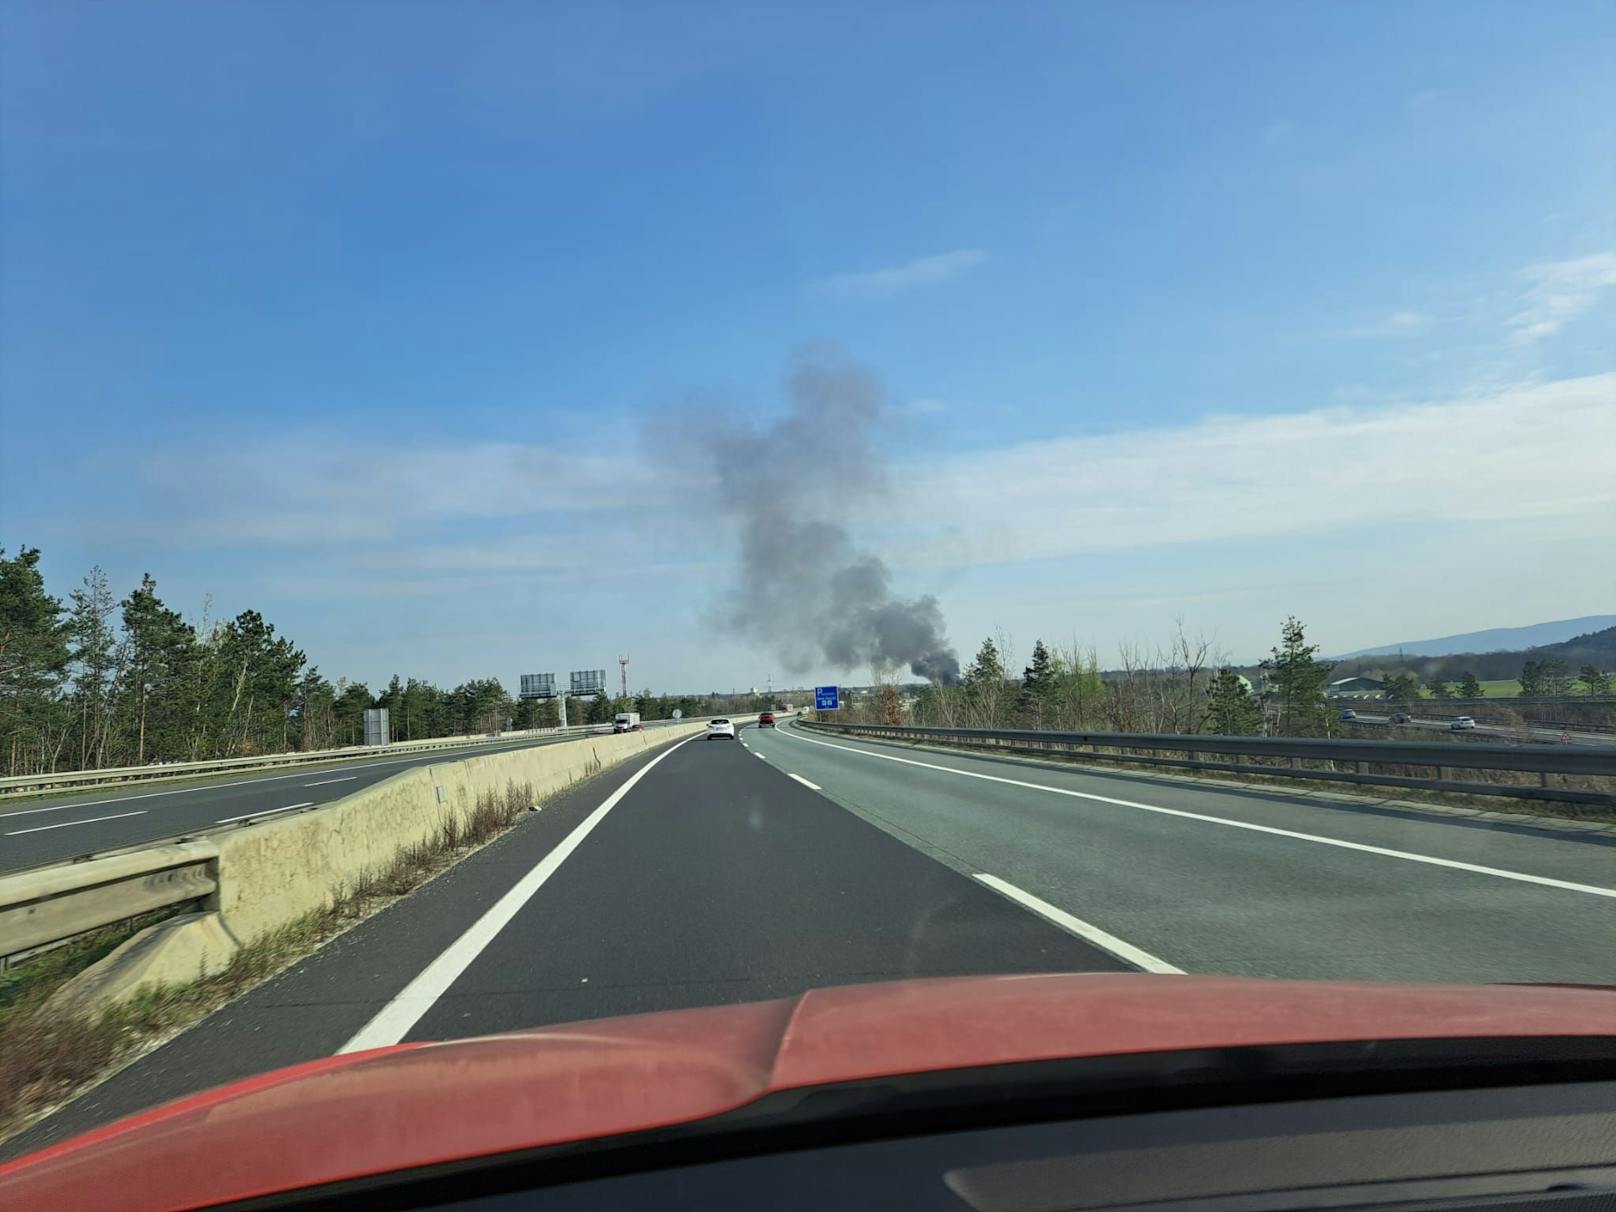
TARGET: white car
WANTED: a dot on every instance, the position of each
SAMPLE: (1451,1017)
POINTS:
(720,728)
(1461,723)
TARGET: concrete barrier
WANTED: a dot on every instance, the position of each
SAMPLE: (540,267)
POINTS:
(274,872)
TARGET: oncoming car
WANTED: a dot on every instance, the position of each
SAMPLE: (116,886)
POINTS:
(720,728)
(1461,723)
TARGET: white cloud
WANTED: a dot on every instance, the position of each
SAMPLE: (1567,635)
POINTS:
(1560,291)
(922,271)
(1534,455)
(324,489)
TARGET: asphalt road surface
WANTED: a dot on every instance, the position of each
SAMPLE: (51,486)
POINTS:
(719,871)
(56,830)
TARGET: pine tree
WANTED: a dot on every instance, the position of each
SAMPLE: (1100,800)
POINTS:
(160,645)
(34,658)
(1556,676)
(1532,678)
(1037,686)
(984,685)
(1296,681)
(1401,688)
(1231,711)
(95,645)
(1594,680)
(312,711)
(1469,687)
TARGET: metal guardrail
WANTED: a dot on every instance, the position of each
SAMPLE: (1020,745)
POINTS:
(43,907)
(1347,761)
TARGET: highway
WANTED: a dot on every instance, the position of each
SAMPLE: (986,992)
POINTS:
(56,829)
(1561,736)
(718,871)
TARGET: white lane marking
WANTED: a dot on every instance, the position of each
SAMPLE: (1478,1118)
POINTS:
(394,1020)
(328,782)
(247,816)
(1431,860)
(69,824)
(760,757)
(268,778)
(1102,939)
(804,782)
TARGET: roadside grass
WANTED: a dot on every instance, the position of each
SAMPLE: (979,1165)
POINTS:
(54,1052)
(1499,689)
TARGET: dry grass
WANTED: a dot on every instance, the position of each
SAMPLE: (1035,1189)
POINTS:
(52,1054)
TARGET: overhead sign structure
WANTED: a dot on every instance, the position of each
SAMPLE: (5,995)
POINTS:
(538,686)
(587,682)
(827,698)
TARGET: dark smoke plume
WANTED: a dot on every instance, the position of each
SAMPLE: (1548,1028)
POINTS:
(804,588)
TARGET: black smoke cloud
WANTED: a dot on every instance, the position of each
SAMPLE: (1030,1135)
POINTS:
(802,586)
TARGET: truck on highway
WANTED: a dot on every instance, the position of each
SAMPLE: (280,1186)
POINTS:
(626,721)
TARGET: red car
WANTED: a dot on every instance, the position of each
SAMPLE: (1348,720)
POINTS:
(1088,1091)
(766,719)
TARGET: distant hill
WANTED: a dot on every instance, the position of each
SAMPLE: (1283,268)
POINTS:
(1497,639)
(1596,648)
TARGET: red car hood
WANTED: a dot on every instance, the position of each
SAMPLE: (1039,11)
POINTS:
(417,1104)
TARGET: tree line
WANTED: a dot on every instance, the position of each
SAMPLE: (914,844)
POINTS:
(98,681)
(1545,677)
(1182,687)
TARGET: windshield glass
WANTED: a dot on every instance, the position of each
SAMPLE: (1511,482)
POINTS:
(1136,476)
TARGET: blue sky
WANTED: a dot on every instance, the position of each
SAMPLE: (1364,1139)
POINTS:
(354,313)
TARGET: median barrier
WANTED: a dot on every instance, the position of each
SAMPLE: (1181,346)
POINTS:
(250,880)
(279,870)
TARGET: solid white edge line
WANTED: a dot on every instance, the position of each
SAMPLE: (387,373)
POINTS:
(1087,931)
(394,1020)
(328,782)
(1431,860)
(804,782)
(69,824)
(247,816)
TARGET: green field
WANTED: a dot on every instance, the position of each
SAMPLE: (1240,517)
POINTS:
(1502,688)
